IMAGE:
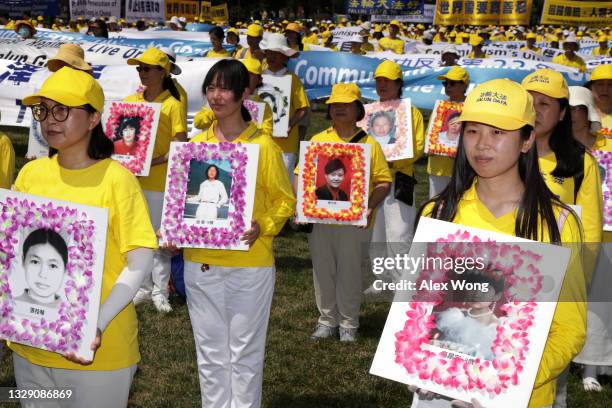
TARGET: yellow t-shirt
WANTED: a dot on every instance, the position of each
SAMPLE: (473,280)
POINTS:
(568,328)
(274,204)
(606,120)
(298,100)
(205,117)
(598,51)
(105,184)
(311,39)
(237,51)
(605,145)
(221,54)
(172,120)
(418,145)
(589,196)
(576,62)
(389,44)
(379,169)
(7,161)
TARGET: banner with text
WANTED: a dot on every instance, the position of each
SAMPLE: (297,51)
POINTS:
(404,7)
(426,17)
(184,8)
(482,12)
(94,8)
(145,9)
(589,13)
(219,13)
(16,8)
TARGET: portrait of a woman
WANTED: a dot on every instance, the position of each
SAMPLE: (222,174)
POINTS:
(126,135)
(382,127)
(211,196)
(335,171)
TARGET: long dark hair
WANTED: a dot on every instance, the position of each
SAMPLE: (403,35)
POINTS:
(131,121)
(100,147)
(535,211)
(568,151)
(230,74)
(168,84)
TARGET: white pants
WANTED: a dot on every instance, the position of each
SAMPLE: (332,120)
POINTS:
(437,184)
(289,159)
(229,310)
(90,388)
(156,283)
(394,220)
(336,253)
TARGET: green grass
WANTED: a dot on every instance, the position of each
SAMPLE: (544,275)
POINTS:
(298,372)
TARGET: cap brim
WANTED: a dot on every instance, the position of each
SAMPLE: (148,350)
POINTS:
(493,119)
(52,63)
(288,52)
(60,97)
(133,61)
(341,99)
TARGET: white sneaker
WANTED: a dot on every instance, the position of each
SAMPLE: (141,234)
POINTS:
(161,304)
(348,335)
(141,296)
(322,332)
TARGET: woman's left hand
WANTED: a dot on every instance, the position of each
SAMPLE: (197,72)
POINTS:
(95,345)
(463,404)
(369,218)
(251,235)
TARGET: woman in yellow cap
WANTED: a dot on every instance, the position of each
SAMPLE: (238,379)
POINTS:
(600,83)
(233,38)
(569,57)
(569,170)
(294,37)
(530,46)
(440,168)
(25,29)
(392,42)
(336,251)
(603,49)
(395,219)
(477,42)
(596,354)
(254,37)
(206,116)
(154,68)
(496,185)
(79,169)
(217,35)
(229,293)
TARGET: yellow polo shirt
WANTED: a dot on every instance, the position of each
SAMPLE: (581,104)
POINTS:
(389,44)
(599,52)
(379,169)
(7,161)
(172,120)
(568,328)
(311,39)
(274,204)
(418,145)
(589,196)
(105,184)
(576,62)
(298,100)
(205,117)
(220,54)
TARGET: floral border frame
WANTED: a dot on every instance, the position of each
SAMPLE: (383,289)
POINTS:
(435,125)
(604,159)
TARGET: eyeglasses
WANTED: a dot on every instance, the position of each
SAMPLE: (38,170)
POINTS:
(212,88)
(59,112)
(450,83)
(147,69)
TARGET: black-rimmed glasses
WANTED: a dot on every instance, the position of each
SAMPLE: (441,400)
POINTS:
(59,112)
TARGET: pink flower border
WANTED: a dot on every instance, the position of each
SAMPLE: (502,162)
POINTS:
(177,232)
(511,345)
(64,334)
(147,114)
(604,159)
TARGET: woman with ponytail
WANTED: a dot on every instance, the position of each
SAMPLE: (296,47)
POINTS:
(496,185)
(79,169)
(154,69)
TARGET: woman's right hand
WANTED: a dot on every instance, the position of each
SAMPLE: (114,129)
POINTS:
(423,393)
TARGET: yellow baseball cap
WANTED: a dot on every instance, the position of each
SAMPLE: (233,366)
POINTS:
(476,40)
(602,38)
(253,65)
(344,93)
(601,72)
(548,82)
(531,36)
(501,103)
(389,69)
(152,56)
(293,27)
(233,31)
(456,73)
(254,30)
(70,87)
(395,23)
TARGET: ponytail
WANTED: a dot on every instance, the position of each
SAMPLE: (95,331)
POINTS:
(168,84)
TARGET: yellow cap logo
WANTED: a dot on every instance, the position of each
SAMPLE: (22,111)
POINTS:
(539,78)
(493,97)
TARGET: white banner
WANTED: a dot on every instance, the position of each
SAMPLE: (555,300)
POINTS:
(146,9)
(426,17)
(94,8)
(20,80)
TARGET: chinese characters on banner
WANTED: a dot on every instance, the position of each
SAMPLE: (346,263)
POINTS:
(591,13)
(397,7)
(219,13)
(145,9)
(482,12)
(186,8)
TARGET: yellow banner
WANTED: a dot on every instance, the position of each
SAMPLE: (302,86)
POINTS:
(219,13)
(590,13)
(205,10)
(482,12)
(182,8)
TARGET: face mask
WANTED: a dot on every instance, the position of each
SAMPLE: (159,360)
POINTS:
(23,32)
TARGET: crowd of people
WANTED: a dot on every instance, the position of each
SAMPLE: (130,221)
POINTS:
(524,161)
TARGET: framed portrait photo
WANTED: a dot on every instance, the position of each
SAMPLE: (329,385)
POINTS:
(390,123)
(210,192)
(444,129)
(604,160)
(333,183)
(476,321)
(51,272)
(256,109)
(132,126)
(276,92)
